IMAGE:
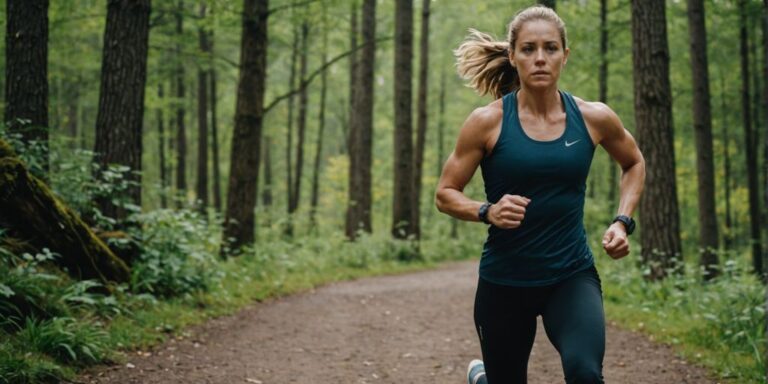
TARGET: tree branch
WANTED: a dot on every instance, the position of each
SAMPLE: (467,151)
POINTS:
(316,72)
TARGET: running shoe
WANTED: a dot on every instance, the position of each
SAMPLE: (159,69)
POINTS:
(476,372)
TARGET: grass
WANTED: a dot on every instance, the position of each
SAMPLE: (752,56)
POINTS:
(719,325)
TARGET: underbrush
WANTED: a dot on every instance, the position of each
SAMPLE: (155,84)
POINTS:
(719,324)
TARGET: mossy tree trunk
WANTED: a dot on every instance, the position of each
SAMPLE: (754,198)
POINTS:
(31,209)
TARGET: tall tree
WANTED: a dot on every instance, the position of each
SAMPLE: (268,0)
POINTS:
(302,127)
(246,138)
(765,121)
(121,97)
(181,130)
(728,236)
(26,69)
(660,236)
(402,222)
(702,124)
(289,130)
(202,120)
(161,148)
(321,126)
(361,129)
(602,80)
(266,191)
(214,133)
(750,137)
(353,58)
(421,118)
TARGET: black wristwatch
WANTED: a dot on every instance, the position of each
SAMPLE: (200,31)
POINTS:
(629,223)
(482,213)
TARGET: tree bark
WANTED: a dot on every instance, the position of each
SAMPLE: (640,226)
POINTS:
(31,208)
(161,145)
(266,191)
(214,135)
(750,144)
(728,236)
(353,59)
(361,129)
(320,132)
(289,131)
(181,131)
(26,70)
(421,119)
(302,128)
(402,222)
(249,115)
(659,212)
(613,169)
(121,98)
(702,124)
(202,121)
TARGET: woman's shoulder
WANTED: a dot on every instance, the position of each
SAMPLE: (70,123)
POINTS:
(485,118)
(598,115)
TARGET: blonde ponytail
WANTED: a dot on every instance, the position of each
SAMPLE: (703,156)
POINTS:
(484,63)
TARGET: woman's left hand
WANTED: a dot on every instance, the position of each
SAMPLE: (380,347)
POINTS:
(615,241)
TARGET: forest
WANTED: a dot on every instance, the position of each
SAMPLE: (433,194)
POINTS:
(168,162)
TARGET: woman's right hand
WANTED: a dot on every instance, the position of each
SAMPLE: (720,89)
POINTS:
(508,212)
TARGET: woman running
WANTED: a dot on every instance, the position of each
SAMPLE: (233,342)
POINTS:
(534,145)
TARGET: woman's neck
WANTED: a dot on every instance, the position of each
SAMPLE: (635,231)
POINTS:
(539,103)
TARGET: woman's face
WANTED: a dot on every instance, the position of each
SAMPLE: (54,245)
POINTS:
(538,54)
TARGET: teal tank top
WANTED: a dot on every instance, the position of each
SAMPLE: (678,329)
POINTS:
(551,243)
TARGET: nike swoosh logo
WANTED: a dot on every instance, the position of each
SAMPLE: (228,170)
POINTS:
(567,144)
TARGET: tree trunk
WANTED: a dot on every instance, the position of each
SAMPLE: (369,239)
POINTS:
(161,145)
(181,132)
(659,213)
(613,169)
(121,97)
(750,144)
(702,124)
(728,237)
(548,3)
(353,59)
(421,119)
(361,129)
(320,130)
(31,208)
(266,191)
(246,139)
(302,117)
(26,70)
(202,121)
(289,131)
(214,135)
(765,122)
(402,222)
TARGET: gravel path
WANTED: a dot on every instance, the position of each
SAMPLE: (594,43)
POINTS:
(414,328)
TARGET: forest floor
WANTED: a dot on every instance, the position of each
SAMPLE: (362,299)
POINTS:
(412,328)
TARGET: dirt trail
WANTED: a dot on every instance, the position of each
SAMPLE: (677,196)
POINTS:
(414,328)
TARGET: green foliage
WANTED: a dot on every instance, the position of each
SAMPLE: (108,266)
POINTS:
(16,368)
(177,253)
(720,323)
(65,339)
(26,289)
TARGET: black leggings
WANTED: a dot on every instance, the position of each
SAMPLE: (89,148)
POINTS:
(572,311)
